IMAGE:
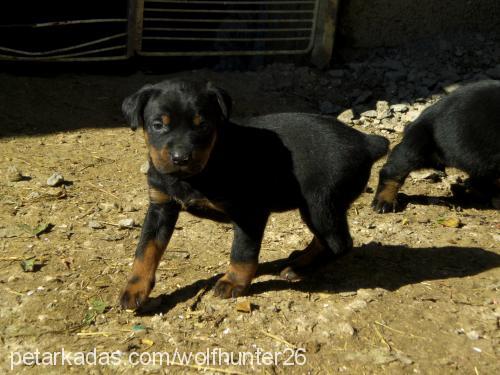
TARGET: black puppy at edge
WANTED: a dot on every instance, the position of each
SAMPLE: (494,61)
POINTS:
(202,163)
(462,131)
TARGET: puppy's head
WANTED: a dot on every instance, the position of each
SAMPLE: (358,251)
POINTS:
(180,120)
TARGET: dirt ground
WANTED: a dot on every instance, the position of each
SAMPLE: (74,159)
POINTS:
(414,296)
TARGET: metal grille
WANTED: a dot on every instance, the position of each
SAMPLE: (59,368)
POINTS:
(57,30)
(231,27)
(93,30)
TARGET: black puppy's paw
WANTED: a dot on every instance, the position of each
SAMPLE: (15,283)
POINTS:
(136,293)
(225,288)
(382,207)
(292,273)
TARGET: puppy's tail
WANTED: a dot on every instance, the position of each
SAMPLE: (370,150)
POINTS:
(377,146)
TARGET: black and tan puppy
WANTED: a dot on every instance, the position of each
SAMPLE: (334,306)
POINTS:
(202,163)
(462,131)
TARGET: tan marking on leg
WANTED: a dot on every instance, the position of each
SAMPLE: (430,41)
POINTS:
(206,204)
(389,192)
(158,197)
(309,254)
(241,273)
(141,282)
(236,280)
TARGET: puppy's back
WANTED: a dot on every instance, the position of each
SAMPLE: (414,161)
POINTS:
(465,126)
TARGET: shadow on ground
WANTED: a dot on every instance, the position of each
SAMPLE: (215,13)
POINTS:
(369,266)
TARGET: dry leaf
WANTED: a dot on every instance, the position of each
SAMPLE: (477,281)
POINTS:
(244,306)
(450,222)
(147,342)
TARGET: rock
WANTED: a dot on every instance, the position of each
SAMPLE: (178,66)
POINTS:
(55,180)
(108,207)
(494,72)
(13,174)
(130,208)
(399,107)
(345,329)
(366,295)
(383,109)
(399,128)
(347,294)
(356,305)
(433,176)
(382,106)
(12,278)
(145,167)
(33,195)
(411,116)
(473,335)
(93,224)
(328,108)
(346,117)
(370,114)
(126,223)
(52,279)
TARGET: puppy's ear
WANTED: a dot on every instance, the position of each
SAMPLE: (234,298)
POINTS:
(133,106)
(223,99)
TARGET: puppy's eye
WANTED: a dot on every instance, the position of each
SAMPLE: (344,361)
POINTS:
(157,126)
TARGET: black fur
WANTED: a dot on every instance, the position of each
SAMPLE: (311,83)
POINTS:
(269,163)
(461,131)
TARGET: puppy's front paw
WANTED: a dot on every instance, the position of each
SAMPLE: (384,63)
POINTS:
(291,274)
(236,281)
(382,206)
(227,288)
(136,293)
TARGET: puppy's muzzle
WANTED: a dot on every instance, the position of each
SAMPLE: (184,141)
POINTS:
(181,158)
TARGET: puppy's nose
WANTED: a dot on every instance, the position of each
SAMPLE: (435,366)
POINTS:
(180,158)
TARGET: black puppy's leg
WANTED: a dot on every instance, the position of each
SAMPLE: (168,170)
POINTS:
(328,222)
(156,232)
(414,152)
(244,257)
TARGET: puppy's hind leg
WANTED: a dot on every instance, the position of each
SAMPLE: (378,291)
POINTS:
(331,238)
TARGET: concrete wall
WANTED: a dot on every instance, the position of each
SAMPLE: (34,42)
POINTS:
(376,23)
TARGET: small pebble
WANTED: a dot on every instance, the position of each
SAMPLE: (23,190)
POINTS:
(145,167)
(55,180)
(126,223)
(473,335)
(370,114)
(93,224)
(399,108)
(357,304)
(346,117)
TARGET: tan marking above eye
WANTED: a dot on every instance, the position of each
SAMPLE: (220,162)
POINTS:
(165,119)
(197,120)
